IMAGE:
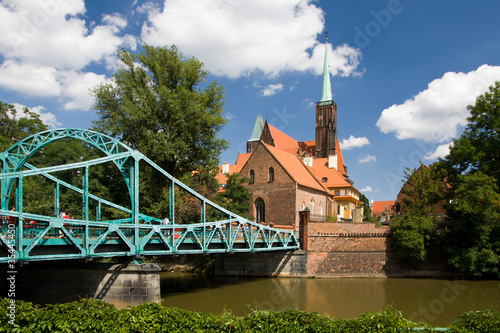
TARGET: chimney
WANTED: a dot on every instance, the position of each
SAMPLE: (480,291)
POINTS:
(332,162)
(308,161)
(225,167)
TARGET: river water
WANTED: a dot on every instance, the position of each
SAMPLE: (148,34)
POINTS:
(436,302)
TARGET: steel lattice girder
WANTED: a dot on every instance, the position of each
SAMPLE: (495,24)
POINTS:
(127,237)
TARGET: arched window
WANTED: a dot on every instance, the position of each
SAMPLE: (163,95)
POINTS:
(252,176)
(324,180)
(271,175)
(320,209)
(303,206)
(312,205)
(260,210)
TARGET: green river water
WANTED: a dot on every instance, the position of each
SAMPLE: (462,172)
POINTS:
(434,301)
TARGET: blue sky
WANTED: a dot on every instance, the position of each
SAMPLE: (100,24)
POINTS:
(403,71)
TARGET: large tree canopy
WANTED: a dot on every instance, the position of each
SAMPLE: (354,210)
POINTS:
(156,105)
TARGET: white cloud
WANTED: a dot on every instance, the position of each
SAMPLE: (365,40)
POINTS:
(29,80)
(354,142)
(43,41)
(366,189)
(47,118)
(77,88)
(441,151)
(235,38)
(272,89)
(367,158)
(435,113)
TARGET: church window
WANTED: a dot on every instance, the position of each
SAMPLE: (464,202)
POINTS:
(271,175)
(312,205)
(260,210)
(303,205)
(252,176)
(320,210)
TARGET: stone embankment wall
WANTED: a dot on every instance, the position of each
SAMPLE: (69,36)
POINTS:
(334,249)
(349,249)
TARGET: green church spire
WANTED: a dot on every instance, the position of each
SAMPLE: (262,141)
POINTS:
(257,129)
(326,94)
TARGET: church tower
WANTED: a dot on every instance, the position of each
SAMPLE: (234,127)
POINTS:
(326,116)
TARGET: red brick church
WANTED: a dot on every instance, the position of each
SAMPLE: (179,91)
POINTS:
(288,176)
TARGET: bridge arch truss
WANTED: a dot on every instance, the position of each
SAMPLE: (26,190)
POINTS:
(26,237)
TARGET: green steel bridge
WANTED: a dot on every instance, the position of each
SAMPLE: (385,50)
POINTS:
(28,237)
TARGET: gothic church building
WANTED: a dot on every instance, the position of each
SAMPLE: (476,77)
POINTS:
(288,176)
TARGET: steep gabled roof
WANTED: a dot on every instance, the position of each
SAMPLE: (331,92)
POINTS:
(242,159)
(294,166)
(340,160)
(274,137)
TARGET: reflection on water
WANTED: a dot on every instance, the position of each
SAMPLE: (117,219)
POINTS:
(437,302)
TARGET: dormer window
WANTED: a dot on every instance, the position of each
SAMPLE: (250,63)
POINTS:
(324,180)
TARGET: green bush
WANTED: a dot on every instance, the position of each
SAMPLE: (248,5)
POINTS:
(97,316)
(286,321)
(477,321)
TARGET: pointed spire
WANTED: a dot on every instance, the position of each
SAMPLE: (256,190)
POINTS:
(257,128)
(326,94)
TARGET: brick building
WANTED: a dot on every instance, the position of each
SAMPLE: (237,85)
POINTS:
(289,176)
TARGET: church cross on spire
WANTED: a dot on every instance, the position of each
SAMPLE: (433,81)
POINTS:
(326,94)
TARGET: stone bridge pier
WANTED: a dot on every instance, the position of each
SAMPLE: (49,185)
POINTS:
(53,282)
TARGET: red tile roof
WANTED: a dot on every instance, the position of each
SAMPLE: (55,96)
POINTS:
(379,206)
(334,177)
(283,141)
(294,166)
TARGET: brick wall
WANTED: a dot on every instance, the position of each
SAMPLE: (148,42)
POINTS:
(349,249)
(278,196)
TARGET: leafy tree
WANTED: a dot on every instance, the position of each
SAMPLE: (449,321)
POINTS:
(473,241)
(473,168)
(15,127)
(160,105)
(477,149)
(236,197)
(417,231)
(367,211)
(156,106)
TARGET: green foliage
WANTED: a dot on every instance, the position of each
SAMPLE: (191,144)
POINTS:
(477,321)
(367,211)
(413,237)
(15,127)
(477,149)
(236,197)
(98,316)
(286,321)
(416,231)
(470,234)
(387,320)
(164,108)
(159,109)
(473,241)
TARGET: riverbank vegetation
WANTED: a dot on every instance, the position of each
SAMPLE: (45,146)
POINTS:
(452,208)
(97,316)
